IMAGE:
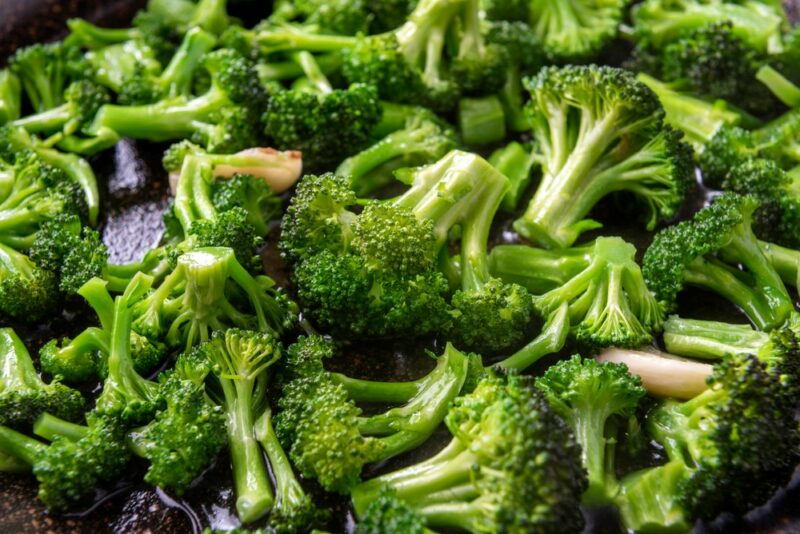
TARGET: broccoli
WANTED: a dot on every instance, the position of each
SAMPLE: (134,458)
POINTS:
(381,272)
(223,119)
(208,290)
(776,140)
(23,394)
(716,63)
(294,510)
(525,57)
(759,23)
(388,514)
(45,70)
(599,131)
(69,470)
(40,192)
(717,251)
(182,15)
(27,292)
(85,356)
(125,394)
(183,438)
(340,17)
(481,121)
(778,215)
(323,123)
(698,119)
(422,62)
(10,96)
(511,465)
(329,438)
(74,252)
(777,350)
(420,142)
(516,162)
(729,449)
(16,143)
(239,361)
(141,85)
(595,399)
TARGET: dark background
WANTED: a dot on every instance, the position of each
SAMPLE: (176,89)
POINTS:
(134,195)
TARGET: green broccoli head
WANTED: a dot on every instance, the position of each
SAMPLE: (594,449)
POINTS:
(230,229)
(326,128)
(27,292)
(595,399)
(388,514)
(251,193)
(710,252)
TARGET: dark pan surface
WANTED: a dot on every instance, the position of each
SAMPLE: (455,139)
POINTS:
(135,193)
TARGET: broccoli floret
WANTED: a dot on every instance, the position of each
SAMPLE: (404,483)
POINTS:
(125,394)
(70,469)
(341,17)
(208,290)
(512,465)
(85,357)
(75,253)
(506,10)
(777,218)
(23,393)
(183,438)
(45,70)
(596,400)
(388,514)
(717,251)
(230,229)
(421,61)
(777,350)
(41,192)
(759,23)
(223,119)
(719,64)
(181,15)
(250,193)
(698,119)
(377,273)
(17,144)
(328,437)
(10,96)
(239,362)
(622,147)
(420,142)
(27,292)
(776,140)
(737,440)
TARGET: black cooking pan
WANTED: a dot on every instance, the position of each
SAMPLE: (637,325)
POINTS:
(134,195)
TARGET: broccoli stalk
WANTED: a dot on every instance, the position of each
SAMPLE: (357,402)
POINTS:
(786,91)
(23,393)
(318,416)
(82,99)
(420,142)
(595,399)
(717,251)
(482,478)
(598,132)
(240,360)
(516,163)
(10,96)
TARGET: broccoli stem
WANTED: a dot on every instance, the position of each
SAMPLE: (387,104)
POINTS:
(513,102)
(50,427)
(538,270)
(19,374)
(590,423)
(10,96)
(254,496)
(481,121)
(551,340)
(287,39)
(193,192)
(710,339)
(360,390)
(20,446)
(313,72)
(12,464)
(84,33)
(785,261)
(79,170)
(394,117)
(176,78)
(290,70)
(786,91)
(289,491)
(516,164)
(96,294)
(47,121)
